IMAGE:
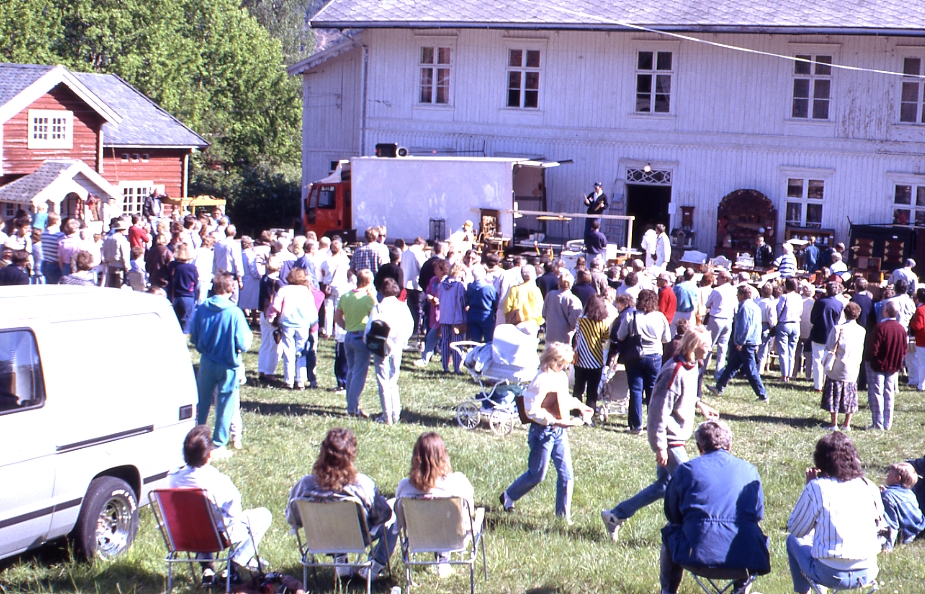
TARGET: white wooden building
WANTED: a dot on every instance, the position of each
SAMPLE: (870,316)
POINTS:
(675,103)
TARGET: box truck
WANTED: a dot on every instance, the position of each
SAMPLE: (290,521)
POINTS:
(427,196)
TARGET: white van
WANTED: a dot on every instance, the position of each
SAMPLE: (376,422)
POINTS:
(97,392)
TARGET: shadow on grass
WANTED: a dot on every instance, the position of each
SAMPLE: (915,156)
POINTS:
(291,409)
(789,421)
(57,569)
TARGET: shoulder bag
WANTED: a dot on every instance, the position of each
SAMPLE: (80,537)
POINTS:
(828,363)
(631,347)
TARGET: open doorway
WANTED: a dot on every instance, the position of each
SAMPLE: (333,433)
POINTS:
(649,204)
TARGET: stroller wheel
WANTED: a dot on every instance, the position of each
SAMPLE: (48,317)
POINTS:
(468,415)
(602,414)
(501,423)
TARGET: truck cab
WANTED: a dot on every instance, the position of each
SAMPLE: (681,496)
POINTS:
(327,209)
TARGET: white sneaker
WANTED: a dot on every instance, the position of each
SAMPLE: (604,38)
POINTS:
(375,568)
(444,570)
(612,523)
(221,453)
(420,363)
(342,572)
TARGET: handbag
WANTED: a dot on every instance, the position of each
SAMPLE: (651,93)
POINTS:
(828,362)
(515,316)
(631,347)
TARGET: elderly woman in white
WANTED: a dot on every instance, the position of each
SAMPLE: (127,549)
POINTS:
(846,344)
(401,325)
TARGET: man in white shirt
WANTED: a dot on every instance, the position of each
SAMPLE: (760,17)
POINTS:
(905,273)
(721,306)
(647,244)
(244,528)
(411,261)
(334,282)
(227,258)
(662,246)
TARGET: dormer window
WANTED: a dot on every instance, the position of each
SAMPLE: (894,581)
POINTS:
(51,129)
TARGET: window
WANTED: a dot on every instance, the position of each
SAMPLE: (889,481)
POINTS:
(803,206)
(912,98)
(909,205)
(653,82)
(435,75)
(21,382)
(812,87)
(9,210)
(523,78)
(133,196)
(125,157)
(135,157)
(145,157)
(50,129)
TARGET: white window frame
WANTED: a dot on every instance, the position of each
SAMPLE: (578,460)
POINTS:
(655,73)
(916,206)
(435,44)
(814,77)
(525,45)
(911,81)
(806,177)
(134,194)
(50,129)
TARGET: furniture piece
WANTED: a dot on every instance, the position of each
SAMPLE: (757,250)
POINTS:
(720,581)
(334,527)
(441,526)
(891,244)
(186,520)
(684,236)
(742,216)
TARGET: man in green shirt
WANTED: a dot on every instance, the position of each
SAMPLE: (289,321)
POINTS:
(352,314)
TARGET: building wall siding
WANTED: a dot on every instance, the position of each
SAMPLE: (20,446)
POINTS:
(164,167)
(19,159)
(730,125)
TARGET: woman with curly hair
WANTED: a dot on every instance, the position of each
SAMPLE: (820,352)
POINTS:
(833,528)
(334,476)
(651,326)
(432,476)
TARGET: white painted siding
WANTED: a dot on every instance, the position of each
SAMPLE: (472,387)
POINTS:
(729,127)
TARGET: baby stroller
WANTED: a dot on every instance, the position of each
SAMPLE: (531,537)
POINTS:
(612,393)
(502,368)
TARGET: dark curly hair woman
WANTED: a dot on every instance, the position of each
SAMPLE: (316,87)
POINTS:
(334,476)
(833,528)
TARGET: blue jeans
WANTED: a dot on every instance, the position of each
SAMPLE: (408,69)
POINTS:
(386,535)
(309,359)
(545,443)
(788,335)
(625,509)
(743,359)
(52,272)
(430,343)
(340,364)
(184,308)
(799,555)
(358,358)
(214,378)
(641,379)
(481,330)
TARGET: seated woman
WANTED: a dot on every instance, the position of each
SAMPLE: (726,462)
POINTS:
(833,528)
(432,476)
(335,477)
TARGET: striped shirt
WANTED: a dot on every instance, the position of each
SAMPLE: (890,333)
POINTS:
(842,518)
(589,342)
(786,265)
(50,245)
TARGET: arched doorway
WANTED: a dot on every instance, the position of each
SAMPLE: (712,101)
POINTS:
(70,205)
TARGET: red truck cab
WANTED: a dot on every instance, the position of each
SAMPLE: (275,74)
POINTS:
(327,208)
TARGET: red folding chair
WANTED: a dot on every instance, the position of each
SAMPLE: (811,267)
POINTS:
(189,527)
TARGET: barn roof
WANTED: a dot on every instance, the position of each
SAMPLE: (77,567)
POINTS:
(131,118)
(758,16)
(145,122)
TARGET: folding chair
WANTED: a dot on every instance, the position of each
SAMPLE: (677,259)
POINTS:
(711,580)
(440,526)
(186,520)
(334,527)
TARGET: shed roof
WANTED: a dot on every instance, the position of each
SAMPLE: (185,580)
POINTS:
(144,123)
(797,16)
(56,177)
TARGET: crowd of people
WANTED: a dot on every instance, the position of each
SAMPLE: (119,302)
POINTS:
(664,327)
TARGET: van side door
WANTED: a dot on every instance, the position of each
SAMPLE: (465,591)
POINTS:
(27,445)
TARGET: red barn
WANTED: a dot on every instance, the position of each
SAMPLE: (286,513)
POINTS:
(126,144)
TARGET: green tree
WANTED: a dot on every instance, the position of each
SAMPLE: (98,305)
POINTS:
(286,21)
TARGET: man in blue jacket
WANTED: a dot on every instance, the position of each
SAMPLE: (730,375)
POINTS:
(746,336)
(220,333)
(713,505)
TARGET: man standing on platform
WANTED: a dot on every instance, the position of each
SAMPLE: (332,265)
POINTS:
(597,203)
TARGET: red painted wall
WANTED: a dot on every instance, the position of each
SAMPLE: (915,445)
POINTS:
(19,159)
(164,167)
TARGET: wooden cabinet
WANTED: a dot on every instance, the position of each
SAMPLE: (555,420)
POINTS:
(742,216)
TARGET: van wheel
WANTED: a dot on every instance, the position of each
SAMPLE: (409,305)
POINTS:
(108,519)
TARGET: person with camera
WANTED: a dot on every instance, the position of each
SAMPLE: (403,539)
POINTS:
(389,327)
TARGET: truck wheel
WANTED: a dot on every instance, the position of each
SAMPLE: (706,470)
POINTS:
(108,519)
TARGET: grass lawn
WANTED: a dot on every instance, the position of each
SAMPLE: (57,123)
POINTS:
(528,550)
